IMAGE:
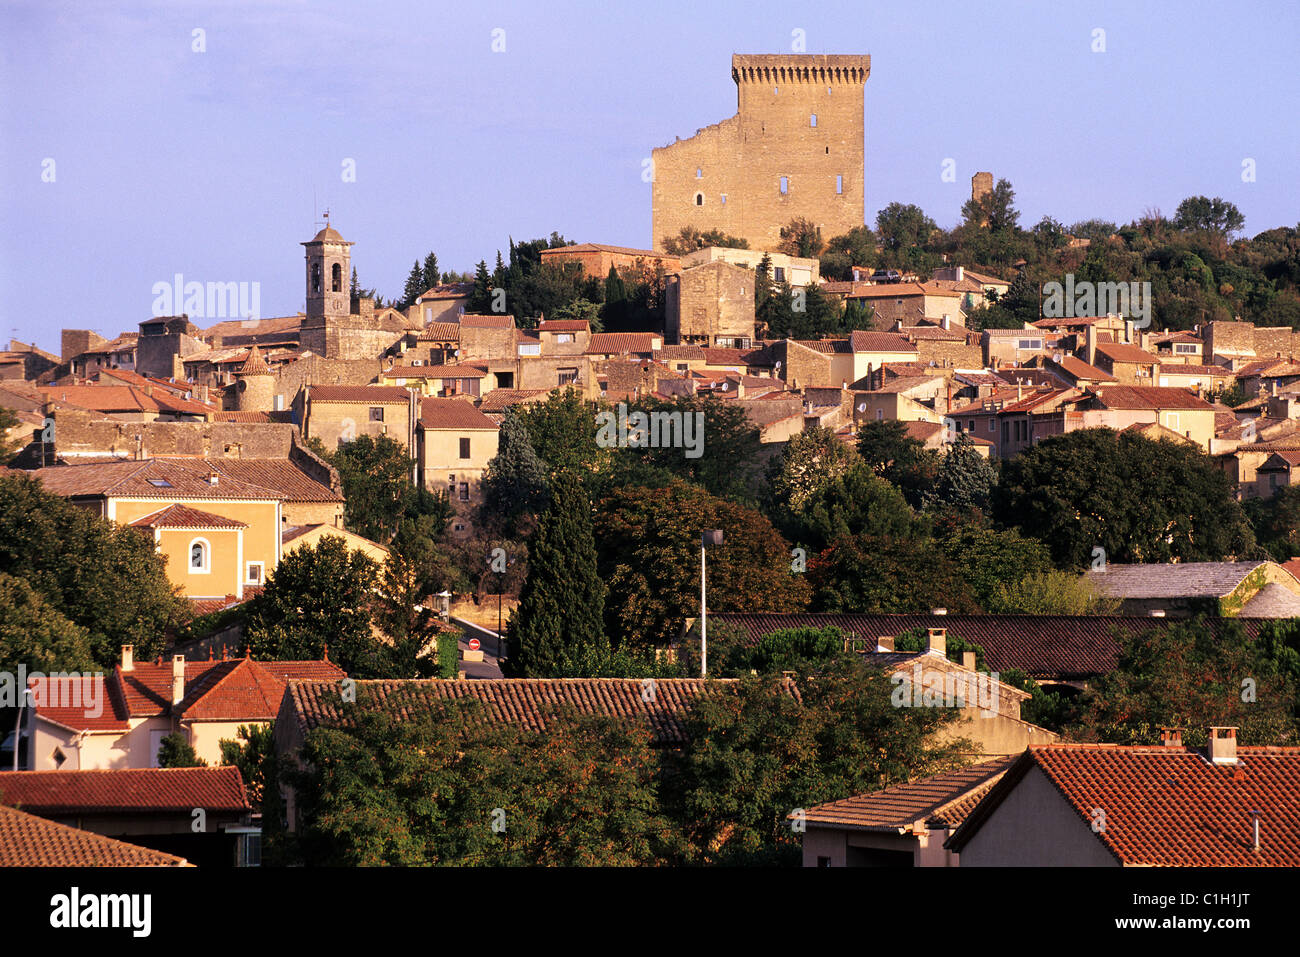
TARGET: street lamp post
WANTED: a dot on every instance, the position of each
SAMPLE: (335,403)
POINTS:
(711,536)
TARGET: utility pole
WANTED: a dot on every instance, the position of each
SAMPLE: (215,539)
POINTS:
(711,536)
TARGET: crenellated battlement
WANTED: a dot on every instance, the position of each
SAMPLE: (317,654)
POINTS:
(832,69)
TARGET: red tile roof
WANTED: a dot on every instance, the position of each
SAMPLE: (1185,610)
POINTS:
(438,413)
(563,325)
(940,800)
(475,321)
(182,516)
(530,702)
(378,394)
(441,332)
(90,703)
(123,398)
(615,343)
(1119,352)
(231,690)
(448,290)
(30,841)
(864,341)
(1148,397)
(57,793)
(257,479)
(1168,806)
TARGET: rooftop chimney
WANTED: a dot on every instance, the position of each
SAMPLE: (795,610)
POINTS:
(968,660)
(1171,737)
(885,643)
(937,641)
(1223,745)
(178,679)
(1157,613)
(938,611)
(128,657)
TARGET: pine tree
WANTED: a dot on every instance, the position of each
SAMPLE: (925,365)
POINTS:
(430,276)
(558,629)
(482,295)
(965,478)
(515,479)
(414,286)
(354,289)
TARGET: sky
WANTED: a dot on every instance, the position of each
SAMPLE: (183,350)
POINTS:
(128,156)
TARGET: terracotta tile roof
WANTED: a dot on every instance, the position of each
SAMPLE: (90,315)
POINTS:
(182,516)
(498,400)
(378,394)
(682,353)
(1148,397)
(69,703)
(1168,806)
(615,343)
(230,690)
(122,398)
(889,290)
(601,247)
(284,417)
(530,702)
(563,325)
(58,793)
(254,364)
(1201,370)
(461,371)
(441,332)
(985,278)
(1120,352)
(254,327)
(955,334)
(940,800)
(448,290)
(866,341)
(716,356)
(436,413)
(1081,370)
(30,841)
(825,346)
(1059,647)
(476,321)
(905,384)
(257,479)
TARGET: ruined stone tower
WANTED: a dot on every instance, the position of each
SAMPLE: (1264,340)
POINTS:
(793,150)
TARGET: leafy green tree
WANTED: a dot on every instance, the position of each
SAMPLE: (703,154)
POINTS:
(103,577)
(857,247)
(1191,676)
(319,599)
(1093,230)
(964,481)
(377,487)
(583,309)
(1211,215)
(900,225)
(1022,300)
(648,543)
(418,567)
(1139,500)
(801,238)
(729,445)
(8,447)
(33,633)
(562,606)
(990,558)
(855,502)
(175,752)
(1050,592)
(802,649)
(757,756)
(808,463)
(562,431)
(689,239)
(249,751)
(887,575)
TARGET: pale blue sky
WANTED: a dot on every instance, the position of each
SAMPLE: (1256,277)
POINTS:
(205,164)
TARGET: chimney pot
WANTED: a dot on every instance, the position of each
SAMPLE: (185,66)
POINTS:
(128,657)
(937,641)
(178,679)
(968,660)
(1223,746)
(1171,737)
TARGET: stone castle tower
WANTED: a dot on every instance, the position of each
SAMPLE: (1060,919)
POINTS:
(793,150)
(256,390)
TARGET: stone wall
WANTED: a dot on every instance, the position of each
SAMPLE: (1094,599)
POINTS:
(710,301)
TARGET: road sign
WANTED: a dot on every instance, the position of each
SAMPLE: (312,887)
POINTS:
(473,644)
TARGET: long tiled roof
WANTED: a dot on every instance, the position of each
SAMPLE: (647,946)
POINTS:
(866,341)
(56,793)
(1149,397)
(940,800)
(1062,647)
(500,399)
(185,478)
(1174,580)
(381,394)
(1169,806)
(530,702)
(30,841)
(441,332)
(614,343)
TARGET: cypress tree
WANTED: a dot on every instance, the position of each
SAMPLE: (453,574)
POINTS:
(414,285)
(482,296)
(429,275)
(558,629)
(515,480)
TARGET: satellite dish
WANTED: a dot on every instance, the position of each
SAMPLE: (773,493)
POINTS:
(862,407)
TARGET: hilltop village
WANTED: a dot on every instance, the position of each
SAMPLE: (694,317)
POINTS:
(822,542)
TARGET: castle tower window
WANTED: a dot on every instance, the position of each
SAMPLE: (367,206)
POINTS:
(776,91)
(315,277)
(699,173)
(724,199)
(699,199)
(785,185)
(814,120)
(839,184)
(336,278)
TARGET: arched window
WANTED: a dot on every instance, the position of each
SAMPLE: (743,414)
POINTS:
(699,199)
(200,556)
(315,277)
(336,278)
